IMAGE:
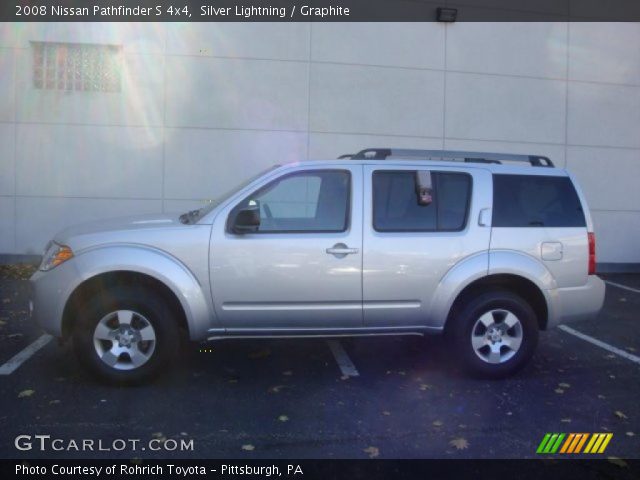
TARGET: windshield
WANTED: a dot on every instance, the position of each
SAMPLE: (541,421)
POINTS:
(194,215)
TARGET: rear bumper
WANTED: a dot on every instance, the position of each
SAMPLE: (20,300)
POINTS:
(576,303)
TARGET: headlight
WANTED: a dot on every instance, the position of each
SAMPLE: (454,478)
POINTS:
(54,255)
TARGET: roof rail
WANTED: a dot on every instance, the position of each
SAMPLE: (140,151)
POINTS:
(469,157)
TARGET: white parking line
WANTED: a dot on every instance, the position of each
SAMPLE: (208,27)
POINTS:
(619,285)
(342,359)
(600,344)
(14,363)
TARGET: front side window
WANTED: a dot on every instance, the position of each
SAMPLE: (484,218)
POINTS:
(313,201)
(396,207)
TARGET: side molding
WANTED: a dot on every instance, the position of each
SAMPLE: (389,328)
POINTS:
(154,263)
(495,262)
(523,265)
(455,280)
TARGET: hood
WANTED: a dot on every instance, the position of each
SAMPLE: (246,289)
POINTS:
(123,229)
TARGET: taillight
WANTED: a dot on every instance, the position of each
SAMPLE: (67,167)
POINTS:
(592,253)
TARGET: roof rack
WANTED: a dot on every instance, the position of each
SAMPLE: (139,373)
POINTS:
(469,157)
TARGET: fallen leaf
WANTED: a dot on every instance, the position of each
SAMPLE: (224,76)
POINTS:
(619,414)
(559,391)
(26,393)
(386,412)
(283,418)
(564,385)
(373,452)
(565,420)
(248,447)
(425,386)
(14,335)
(276,389)
(401,372)
(617,461)
(437,423)
(630,434)
(601,397)
(460,443)
(265,352)
(53,402)
(344,377)
(509,413)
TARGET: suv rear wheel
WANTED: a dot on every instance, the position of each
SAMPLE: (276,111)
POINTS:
(495,334)
(126,335)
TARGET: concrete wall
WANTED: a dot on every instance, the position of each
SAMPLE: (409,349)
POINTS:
(205,105)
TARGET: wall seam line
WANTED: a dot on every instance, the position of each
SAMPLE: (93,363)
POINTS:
(309,89)
(444,90)
(164,119)
(15,152)
(566,99)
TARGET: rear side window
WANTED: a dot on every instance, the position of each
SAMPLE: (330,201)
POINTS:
(535,201)
(396,207)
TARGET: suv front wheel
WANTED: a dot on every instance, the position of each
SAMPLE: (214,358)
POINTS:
(495,334)
(126,335)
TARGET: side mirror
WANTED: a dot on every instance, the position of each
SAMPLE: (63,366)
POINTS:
(246,221)
(424,187)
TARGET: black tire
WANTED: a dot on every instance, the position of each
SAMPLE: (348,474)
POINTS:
(148,306)
(464,324)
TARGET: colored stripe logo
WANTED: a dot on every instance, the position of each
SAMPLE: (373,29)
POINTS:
(574,442)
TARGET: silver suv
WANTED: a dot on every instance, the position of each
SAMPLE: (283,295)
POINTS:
(469,244)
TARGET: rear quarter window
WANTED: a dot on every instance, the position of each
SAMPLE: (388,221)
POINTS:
(535,201)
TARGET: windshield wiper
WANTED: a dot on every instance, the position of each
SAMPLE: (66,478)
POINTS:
(189,216)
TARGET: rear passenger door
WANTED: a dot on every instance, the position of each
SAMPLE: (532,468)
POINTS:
(408,248)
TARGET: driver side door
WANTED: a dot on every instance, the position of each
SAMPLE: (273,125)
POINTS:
(302,266)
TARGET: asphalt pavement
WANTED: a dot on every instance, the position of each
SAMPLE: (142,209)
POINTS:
(384,397)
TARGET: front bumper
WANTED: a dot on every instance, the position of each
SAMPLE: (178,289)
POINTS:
(49,293)
(572,304)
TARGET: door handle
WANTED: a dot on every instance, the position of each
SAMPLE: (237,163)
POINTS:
(484,218)
(341,250)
